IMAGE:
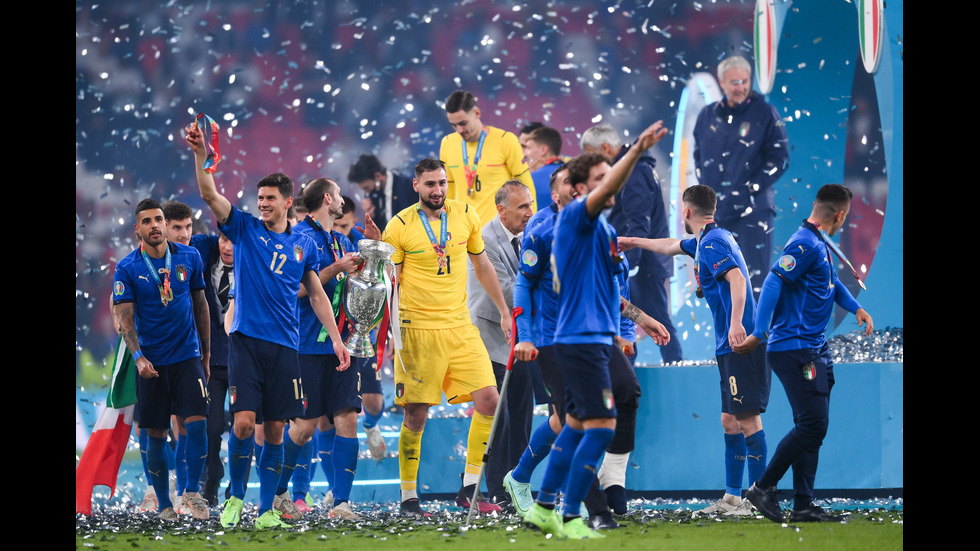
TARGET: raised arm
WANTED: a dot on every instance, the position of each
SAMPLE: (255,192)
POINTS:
(220,206)
(616,177)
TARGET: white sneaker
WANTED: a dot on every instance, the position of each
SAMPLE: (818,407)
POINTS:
(376,442)
(723,506)
(328,499)
(284,504)
(744,509)
(344,512)
(150,501)
(195,505)
(179,505)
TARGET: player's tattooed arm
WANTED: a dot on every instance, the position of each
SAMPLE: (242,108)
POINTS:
(127,328)
(630,311)
(652,327)
(125,313)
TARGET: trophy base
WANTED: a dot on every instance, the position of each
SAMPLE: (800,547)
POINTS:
(360,347)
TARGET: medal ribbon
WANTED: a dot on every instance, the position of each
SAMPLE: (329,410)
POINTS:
(840,254)
(209,129)
(439,247)
(833,247)
(697,254)
(471,172)
(165,292)
(336,301)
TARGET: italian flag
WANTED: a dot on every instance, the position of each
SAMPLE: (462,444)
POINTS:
(103,454)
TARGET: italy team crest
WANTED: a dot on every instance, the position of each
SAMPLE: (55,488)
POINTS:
(607,398)
(743,129)
(232,394)
(399,390)
(809,371)
(298,253)
(182,273)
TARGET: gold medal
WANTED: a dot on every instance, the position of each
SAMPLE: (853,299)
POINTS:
(166,297)
(470,192)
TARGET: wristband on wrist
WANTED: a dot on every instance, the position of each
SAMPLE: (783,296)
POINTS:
(137,355)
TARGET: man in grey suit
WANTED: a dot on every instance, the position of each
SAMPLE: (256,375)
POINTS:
(502,238)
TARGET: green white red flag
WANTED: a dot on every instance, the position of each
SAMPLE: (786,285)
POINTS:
(104,451)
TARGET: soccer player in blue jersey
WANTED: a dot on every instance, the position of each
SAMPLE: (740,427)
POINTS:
(584,266)
(795,305)
(372,397)
(534,293)
(332,394)
(271,263)
(180,225)
(535,333)
(163,315)
(724,280)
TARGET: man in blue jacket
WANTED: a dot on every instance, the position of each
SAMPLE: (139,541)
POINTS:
(640,212)
(740,150)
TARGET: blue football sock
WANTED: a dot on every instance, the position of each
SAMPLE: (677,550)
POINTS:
(537,449)
(582,470)
(270,469)
(171,458)
(290,453)
(371,419)
(156,463)
(258,459)
(239,461)
(180,460)
(324,444)
(303,472)
(144,438)
(734,463)
(757,454)
(344,467)
(560,459)
(195,452)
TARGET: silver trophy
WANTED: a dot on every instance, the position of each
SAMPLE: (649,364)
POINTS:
(364,295)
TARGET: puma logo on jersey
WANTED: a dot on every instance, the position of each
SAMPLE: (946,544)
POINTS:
(264,240)
(739,400)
